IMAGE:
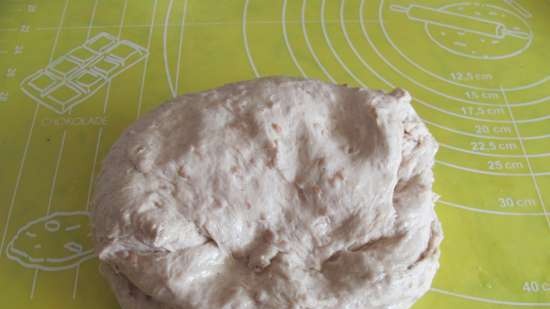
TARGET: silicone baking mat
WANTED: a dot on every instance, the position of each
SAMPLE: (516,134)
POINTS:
(75,73)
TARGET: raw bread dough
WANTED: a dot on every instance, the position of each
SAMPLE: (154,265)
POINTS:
(272,193)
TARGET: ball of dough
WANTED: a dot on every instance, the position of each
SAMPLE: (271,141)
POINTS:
(271,193)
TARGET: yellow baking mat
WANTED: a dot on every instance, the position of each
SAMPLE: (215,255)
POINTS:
(75,73)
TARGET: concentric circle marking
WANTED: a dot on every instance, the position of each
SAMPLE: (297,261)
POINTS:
(493,137)
(489,300)
(482,172)
(245,40)
(495,155)
(308,43)
(331,47)
(287,43)
(491,212)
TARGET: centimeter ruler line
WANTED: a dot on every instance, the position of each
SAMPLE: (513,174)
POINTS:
(526,157)
(100,130)
(52,53)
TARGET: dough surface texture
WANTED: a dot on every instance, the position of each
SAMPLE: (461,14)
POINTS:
(273,193)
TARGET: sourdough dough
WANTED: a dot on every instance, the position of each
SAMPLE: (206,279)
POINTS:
(272,193)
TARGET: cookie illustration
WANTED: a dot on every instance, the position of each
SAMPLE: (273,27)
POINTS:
(58,241)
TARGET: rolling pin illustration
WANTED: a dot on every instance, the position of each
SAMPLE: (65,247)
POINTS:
(458,22)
